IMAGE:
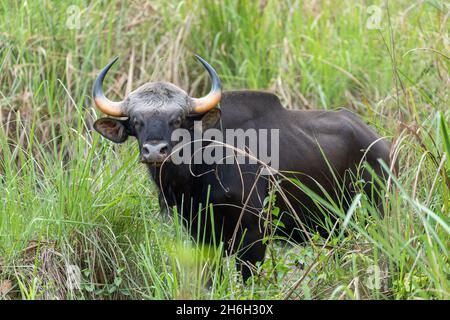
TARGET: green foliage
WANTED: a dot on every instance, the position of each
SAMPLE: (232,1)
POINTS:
(68,197)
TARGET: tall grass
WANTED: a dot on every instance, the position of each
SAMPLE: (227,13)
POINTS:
(68,197)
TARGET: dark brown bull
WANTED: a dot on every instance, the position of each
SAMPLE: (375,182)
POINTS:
(320,149)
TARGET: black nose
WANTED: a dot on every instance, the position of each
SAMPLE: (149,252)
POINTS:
(154,152)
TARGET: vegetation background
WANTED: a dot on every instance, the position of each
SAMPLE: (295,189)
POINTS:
(71,203)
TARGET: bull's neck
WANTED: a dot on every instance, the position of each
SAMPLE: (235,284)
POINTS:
(173,182)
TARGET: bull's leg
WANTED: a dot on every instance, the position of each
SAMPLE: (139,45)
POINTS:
(252,251)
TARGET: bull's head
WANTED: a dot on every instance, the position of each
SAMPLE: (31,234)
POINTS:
(153,112)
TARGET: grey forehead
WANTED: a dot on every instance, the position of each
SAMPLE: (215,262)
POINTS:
(157,97)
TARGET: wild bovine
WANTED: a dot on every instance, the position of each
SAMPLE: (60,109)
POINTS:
(318,148)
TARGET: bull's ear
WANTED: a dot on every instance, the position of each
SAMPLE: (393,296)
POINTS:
(211,118)
(112,129)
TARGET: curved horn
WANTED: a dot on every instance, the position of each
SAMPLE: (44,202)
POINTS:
(206,103)
(105,105)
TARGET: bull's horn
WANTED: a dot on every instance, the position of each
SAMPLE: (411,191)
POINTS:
(204,104)
(105,105)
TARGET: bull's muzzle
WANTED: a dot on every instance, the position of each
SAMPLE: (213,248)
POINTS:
(154,153)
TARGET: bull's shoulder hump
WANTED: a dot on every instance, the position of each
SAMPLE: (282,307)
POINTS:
(257,100)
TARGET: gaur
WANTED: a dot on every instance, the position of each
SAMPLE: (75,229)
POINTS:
(319,149)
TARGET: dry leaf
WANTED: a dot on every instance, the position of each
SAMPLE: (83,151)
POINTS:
(5,287)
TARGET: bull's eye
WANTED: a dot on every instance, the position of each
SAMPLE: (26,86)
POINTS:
(137,124)
(177,122)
